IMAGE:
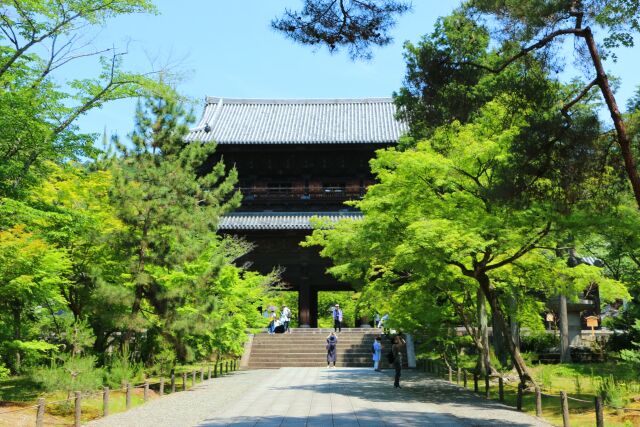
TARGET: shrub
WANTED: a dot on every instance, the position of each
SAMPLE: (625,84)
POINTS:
(4,372)
(122,369)
(612,391)
(539,342)
(633,356)
(72,374)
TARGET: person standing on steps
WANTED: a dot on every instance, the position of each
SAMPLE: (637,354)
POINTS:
(377,354)
(332,343)
(286,318)
(272,322)
(397,349)
(337,318)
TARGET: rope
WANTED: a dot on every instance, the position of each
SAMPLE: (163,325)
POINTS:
(578,400)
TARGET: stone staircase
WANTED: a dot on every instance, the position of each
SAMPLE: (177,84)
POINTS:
(306,348)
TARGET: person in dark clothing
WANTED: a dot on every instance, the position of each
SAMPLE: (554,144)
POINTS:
(397,349)
(332,343)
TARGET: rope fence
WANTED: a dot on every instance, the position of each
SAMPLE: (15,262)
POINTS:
(445,370)
(219,369)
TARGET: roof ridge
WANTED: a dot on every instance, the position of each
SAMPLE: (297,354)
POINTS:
(307,101)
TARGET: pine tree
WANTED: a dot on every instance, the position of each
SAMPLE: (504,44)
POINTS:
(170,208)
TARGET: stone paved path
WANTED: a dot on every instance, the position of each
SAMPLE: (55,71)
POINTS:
(321,397)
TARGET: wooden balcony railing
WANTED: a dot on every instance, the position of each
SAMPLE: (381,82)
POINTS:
(284,194)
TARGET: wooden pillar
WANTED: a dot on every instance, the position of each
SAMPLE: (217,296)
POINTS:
(77,422)
(599,412)
(313,308)
(40,413)
(564,404)
(105,401)
(304,306)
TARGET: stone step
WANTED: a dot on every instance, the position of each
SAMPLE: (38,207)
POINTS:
(296,344)
(306,348)
(275,365)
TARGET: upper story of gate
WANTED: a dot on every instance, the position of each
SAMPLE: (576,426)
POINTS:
(302,154)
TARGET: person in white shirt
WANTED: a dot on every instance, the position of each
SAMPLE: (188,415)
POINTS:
(286,318)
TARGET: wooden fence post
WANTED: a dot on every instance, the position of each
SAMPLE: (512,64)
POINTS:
(201,374)
(486,386)
(105,401)
(437,370)
(40,413)
(128,397)
(450,374)
(599,412)
(146,391)
(501,388)
(475,382)
(184,381)
(519,397)
(538,402)
(564,403)
(193,378)
(173,382)
(78,412)
(458,376)
(464,377)
(227,367)
(161,391)
(215,370)
(209,372)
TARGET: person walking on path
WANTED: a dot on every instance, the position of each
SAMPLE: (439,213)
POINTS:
(377,354)
(337,318)
(332,343)
(397,349)
(286,318)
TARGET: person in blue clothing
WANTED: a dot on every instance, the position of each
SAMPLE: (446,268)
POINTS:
(337,318)
(377,354)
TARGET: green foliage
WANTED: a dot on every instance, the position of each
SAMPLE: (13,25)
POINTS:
(123,369)
(4,372)
(633,356)
(70,373)
(348,303)
(612,391)
(540,342)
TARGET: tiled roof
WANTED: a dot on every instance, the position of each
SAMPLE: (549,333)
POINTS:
(300,121)
(279,220)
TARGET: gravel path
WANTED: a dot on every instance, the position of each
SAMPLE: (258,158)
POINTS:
(321,397)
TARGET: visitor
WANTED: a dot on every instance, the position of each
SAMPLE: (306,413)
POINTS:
(397,349)
(332,342)
(376,320)
(272,323)
(382,321)
(377,353)
(337,318)
(285,317)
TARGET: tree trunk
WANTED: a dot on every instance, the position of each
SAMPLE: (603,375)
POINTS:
(483,332)
(565,348)
(498,342)
(621,131)
(490,292)
(513,322)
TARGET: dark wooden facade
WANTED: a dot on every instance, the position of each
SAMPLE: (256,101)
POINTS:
(296,159)
(297,179)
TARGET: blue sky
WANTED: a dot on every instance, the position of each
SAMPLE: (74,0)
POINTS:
(227,48)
